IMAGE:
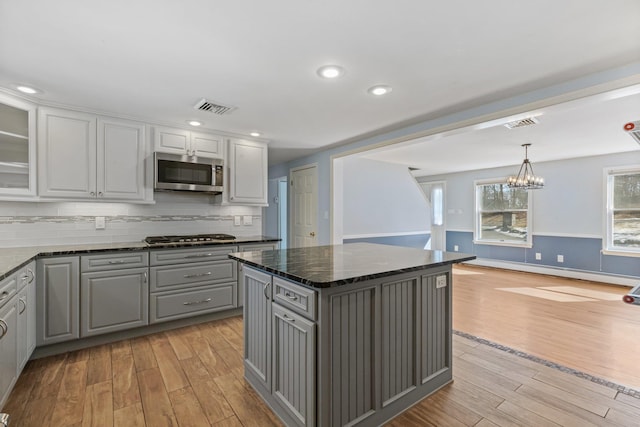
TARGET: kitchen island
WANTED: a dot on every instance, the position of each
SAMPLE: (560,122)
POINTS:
(347,334)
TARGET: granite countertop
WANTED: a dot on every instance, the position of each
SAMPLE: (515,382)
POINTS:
(12,259)
(327,266)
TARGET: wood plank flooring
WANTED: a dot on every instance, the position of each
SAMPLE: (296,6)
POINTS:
(193,376)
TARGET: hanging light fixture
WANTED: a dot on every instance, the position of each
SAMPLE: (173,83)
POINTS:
(526,179)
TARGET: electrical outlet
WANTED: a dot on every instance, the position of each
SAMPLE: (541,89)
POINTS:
(100,223)
(455,248)
(247,220)
(441,281)
(560,258)
(538,256)
(237,220)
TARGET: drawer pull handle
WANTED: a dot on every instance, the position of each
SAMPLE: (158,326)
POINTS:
(198,256)
(116,262)
(30,273)
(24,304)
(290,296)
(204,301)
(4,295)
(191,276)
(4,327)
(287,318)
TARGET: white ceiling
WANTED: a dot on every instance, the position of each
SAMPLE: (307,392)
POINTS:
(154,59)
(586,127)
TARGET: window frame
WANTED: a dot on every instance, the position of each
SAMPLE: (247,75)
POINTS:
(528,243)
(608,248)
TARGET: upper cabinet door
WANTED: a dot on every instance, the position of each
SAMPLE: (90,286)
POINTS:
(247,172)
(169,140)
(120,159)
(67,150)
(17,148)
(206,145)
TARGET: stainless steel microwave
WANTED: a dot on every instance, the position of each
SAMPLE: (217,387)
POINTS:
(174,172)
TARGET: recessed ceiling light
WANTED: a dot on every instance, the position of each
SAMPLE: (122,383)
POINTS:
(194,123)
(330,71)
(256,134)
(379,90)
(28,89)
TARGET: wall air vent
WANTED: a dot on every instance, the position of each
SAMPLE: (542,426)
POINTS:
(522,123)
(633,129)
(213,107)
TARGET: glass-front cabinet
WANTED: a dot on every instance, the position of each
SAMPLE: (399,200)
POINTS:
(17,148)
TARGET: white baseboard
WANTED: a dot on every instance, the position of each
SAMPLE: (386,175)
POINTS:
(611,279)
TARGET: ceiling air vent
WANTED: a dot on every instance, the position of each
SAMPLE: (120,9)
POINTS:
(521,123)
(212,107)
(633,129)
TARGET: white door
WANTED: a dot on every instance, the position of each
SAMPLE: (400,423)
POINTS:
(435,194)
(304,206)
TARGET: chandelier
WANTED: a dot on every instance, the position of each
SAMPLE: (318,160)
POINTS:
(525,179)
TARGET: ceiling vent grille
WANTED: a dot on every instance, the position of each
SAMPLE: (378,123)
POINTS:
(213,108)
(522,123)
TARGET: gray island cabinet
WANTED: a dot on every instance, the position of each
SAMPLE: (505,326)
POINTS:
(347,334)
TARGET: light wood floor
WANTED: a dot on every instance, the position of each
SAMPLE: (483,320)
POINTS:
(193,376)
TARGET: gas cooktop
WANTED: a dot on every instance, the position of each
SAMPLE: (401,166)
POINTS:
(194,238)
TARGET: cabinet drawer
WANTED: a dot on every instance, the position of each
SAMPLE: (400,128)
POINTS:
(175,305)
(299,299)
(8,288)
(181,256)
(206,273)
(258,247)
(113,261)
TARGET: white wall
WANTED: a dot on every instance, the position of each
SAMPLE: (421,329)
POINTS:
(571,204)
(381,198)
(55,223)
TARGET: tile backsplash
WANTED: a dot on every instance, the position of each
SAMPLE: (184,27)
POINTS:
(61,223)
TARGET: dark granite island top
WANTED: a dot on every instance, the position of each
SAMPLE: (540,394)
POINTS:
(328,266)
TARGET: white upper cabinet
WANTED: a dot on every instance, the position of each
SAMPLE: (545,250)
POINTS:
(247,173)
(83,156)
(180,141)
(17,148)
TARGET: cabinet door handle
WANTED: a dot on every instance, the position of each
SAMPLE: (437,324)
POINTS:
(204,301)
(93,194)
(4,295)
(290,296)
(24,304)
(198,256)
(30,273)
(191,276)
(116,262)
(145,277)
(264,290)
(287,318)
(100,194)
(4,327)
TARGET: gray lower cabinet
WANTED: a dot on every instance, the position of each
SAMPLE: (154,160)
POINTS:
(26,314)
(250,247)
(57,294)
(8,337)
(190,282)
(294,364)
(114,300)
(280,346)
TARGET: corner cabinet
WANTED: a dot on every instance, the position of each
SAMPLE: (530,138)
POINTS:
(17,148)
(247,172)
(83,156)
(180,141)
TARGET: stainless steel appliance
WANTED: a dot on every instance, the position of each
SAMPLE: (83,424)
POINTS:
(195,238)
(175,172)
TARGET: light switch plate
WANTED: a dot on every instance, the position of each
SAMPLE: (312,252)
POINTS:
(237,220)
(247,220)
(100,223)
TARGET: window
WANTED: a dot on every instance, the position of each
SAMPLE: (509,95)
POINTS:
(623,210)
(502,215)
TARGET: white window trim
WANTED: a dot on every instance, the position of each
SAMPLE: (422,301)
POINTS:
(607,241)
(511,243)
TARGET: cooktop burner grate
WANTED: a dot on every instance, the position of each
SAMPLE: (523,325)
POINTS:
(194,238)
